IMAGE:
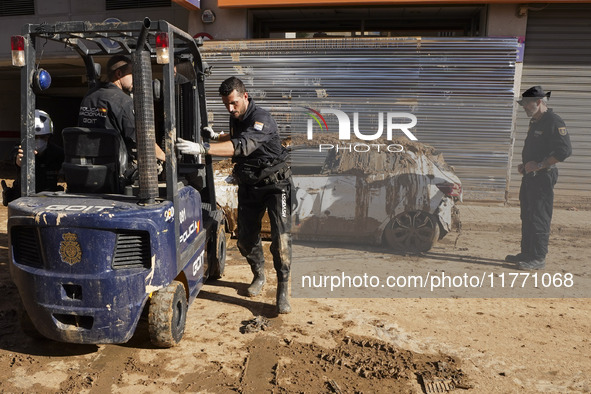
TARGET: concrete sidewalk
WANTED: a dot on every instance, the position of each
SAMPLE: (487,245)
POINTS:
(480,217)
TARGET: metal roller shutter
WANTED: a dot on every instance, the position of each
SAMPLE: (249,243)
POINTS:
(460,90)
(558,57)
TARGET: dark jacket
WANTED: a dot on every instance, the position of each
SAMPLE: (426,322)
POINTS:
(546,137)
(108,107)
(258,153)
(255,137)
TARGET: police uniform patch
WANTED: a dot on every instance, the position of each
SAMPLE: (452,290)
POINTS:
(562,130)
(258,126)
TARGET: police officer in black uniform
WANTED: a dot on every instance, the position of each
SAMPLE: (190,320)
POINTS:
(264,178)
(48,161)
(546,144)
(109,106)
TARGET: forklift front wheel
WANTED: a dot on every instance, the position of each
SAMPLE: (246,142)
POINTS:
(217,257)
(167,315)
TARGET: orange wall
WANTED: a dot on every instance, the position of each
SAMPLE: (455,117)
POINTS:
(190,5)
(291,3)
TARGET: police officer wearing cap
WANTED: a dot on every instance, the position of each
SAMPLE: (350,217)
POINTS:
(546,144)
(264,183)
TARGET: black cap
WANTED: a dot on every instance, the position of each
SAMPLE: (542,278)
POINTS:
(534,92)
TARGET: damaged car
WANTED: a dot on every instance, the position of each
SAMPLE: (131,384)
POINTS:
(404,200)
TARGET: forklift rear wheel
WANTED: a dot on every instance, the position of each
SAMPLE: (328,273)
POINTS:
(217,261)
(167,315)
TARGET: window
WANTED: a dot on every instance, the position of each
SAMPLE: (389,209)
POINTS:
(123,4)
(17,7)
(402,21)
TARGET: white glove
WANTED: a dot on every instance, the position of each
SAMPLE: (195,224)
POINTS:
(190,148)
(212,134)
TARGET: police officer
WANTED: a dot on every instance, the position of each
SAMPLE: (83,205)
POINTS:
(264,180)
(546,144)
(48,161)
(109,106)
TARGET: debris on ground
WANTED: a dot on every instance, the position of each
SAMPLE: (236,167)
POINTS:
(259,323)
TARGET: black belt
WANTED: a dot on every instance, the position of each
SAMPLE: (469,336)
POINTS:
(542,171)
(280,175)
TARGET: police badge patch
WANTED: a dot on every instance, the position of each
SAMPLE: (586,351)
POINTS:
(258,126)
(562,130)
(70,251)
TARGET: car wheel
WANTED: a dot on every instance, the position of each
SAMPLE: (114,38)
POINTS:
(412,231)
(167,315)
(217,259)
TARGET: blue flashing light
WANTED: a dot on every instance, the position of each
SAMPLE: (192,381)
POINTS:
(44,79)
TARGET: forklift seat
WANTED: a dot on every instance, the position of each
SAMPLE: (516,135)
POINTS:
(95,160)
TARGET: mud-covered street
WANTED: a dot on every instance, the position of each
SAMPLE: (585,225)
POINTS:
(233,343)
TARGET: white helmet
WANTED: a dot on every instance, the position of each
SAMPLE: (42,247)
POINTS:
(43,123)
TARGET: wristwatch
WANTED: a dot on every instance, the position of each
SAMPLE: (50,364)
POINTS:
(206,146)
(540,165)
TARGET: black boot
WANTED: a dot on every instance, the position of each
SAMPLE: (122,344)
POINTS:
(283,297)
(516,258)
(257,282)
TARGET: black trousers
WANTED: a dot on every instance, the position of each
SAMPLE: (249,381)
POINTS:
(536,198)
(253,201)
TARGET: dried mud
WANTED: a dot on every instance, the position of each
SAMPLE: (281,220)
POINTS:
(356,365)
(333,345)
(274,360)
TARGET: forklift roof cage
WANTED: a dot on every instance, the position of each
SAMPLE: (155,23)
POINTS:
(158,40)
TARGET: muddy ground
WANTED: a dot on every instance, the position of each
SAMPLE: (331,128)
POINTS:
(332,345)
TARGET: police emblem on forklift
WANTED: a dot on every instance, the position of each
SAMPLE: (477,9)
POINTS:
(70,250)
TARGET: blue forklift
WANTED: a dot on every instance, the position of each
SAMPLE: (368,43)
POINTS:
(117,244)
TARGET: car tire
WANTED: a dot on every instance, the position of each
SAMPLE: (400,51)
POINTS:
(412,231)
(217,259)
(167,315)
